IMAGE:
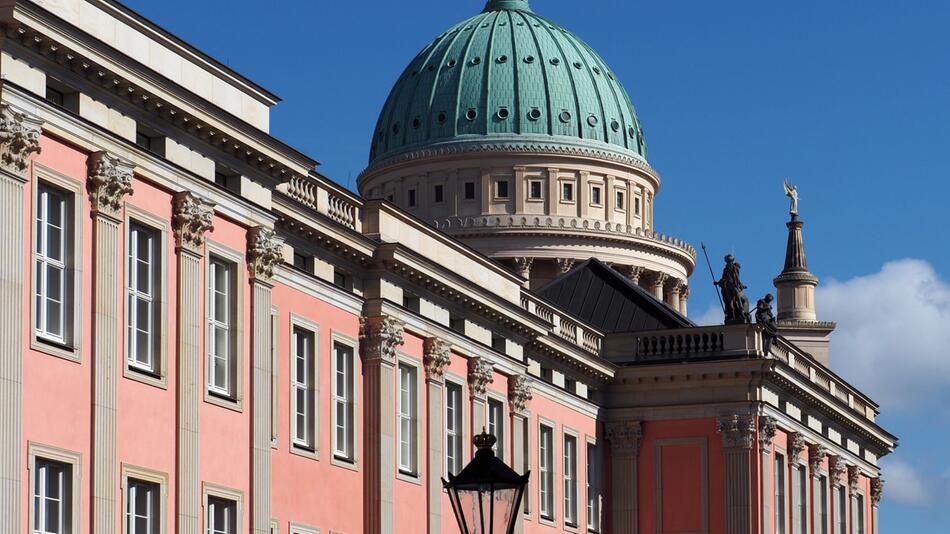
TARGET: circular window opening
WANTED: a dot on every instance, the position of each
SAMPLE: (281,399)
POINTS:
(565,117)
(431,68)
(577,65)
(451,63)
(442,117)
(529,59)
(415,72)
(534,114)
(631,132)
(521,24)
(502,59)
(476,60)
(555,61)
(615,126)
(396,128)
(596,70)
(416,123)
(503,113)
(592,120)
(471,114)
(610,75)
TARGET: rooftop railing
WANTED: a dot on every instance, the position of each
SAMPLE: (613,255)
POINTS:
(563,326)
(323,198)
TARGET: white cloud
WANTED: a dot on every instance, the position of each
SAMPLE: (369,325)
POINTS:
(905,485)
(712,316)
(893,335)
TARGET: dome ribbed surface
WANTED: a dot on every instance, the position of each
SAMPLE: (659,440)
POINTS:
(507,74)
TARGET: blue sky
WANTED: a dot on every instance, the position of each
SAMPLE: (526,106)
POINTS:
(849,99)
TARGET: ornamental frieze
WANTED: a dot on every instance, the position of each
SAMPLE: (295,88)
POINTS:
(192,216)
(19,138)
(110,179)
(264,252)
(380,337)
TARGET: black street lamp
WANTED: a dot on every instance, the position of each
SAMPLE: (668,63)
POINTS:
(486,495)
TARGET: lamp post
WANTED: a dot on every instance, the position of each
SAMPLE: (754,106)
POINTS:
(486,494)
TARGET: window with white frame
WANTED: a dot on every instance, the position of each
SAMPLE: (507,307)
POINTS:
(567,191)
(859,513)
(535,189)
(496,425)
(453,428)
(408,420)
(570,480)
(144,293)
(800,487)
(222,516)
(621,202)
(822,498)
(593,489)
(222,358)
(303,396)
(344,397)
(546,465)
(142,507)
(52,497)
(841,510)
(779,494)
(595,195)
(52,270)
(526,465)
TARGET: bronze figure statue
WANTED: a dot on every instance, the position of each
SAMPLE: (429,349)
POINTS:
(765,318)
(735,302)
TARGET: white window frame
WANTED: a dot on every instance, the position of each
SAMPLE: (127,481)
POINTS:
(158,375)
(496,183)
(474,196)
(435,187)
(215,491)
(459,432)
(547,472)
(311,446)
(233,399)
(822,516)
(540,197)
(569,478)
(593,509)
(780,497)
(133,473)
(349,454)
(275,377)
(408,439)
(497,402)
(859,509)
(72,461)
(298,528)
(527,452)
(69,347)
(600,192)
(840,493)
(562,198)
(620,200)
(800,497)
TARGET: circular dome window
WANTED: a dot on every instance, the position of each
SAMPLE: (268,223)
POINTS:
(534,114)
(503,113)
(555,61)
(592,120)
(415,72)
(577,65)
(529,59)
(442,117)
(615,126)
(596,70)
(565,117)
(471,114)
(476,60)
(396,128)
(416,123)
(431,68)
(502,59)
(451,63)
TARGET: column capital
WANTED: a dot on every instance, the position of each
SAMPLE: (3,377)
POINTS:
(523,266)
(437,353)
(656,279)
(854,476)
(767,429)
(624,436)
(192,216)
(684,290)
(674,285)
(816,454)
(796,445)
(737,430)
(634,272)
(379,338)
(836,468)
(564,264)
(519,392)
(264,252)
(110,179)
(19,138)
(877,490)
(479,375)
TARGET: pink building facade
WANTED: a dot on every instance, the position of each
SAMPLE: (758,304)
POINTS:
(201,334)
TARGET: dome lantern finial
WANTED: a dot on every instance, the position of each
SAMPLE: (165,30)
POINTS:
(499,5)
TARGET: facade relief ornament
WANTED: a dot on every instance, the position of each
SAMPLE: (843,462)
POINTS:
(380,337)
(437,353)
(479,375)
(816,454)
(624,435)
(19,138)
(523,266)
(836,468)
(854,476)
(877,490)
(519,392)
(192,216)
(767,429)
(796,445)
(264,252)
(110,179)
(737,431)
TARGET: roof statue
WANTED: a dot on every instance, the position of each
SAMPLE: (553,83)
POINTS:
(765,318)
(791,192)
(735,301)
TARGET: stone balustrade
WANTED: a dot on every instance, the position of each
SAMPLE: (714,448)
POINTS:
(325,198)
(564,327)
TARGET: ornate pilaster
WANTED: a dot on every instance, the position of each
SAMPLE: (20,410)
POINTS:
(523,267)
(654,282)
(564,265)
(816,456)
(264,253)
(738,434)
(437,353)
(19,139)
(767,429)
(519,393)
(109,180)
(624,438)
(192,216)
(380,337)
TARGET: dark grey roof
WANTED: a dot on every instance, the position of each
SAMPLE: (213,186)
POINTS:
(602,297)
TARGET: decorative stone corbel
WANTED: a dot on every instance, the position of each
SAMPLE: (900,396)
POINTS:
(737,431)
(264,252)
(624,435)
(816,454)
(19,138)
(110,179)
(877,490)
(437,353)
(192,216)
(519,392)
(767,429)
(479,375)
(380,337)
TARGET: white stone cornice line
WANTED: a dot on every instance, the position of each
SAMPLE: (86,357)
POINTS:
(767,429)
(736,430)
(110,179)
(192,217)
(19,138)
(437,353)
(479,375)
(519,392)
(380,337)
(264,252)
(624,435)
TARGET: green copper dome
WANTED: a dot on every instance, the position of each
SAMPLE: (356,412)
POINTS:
(508,76)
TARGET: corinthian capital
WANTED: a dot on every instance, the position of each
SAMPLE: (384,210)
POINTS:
(479,375)
(816,454)
(437,353)
(110,179)
(766,431)
(379,338)
(877,490)
(519,392)
(565,264)
(19,138)
(264,252)
(192,216)
(796,445)
(854,477)
(836,468)
(634,272)
(624,435)
(737,431)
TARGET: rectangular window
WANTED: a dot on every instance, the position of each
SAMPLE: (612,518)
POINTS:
(593,490)
(408,420)
(144,287)
(567,192)
(303,374)
(496,425)
(438,193)
(800,499)
(526,466)
(453,428)
(221,324)
(595,195)
(534,189)
(150,141)
(227,178)
(341,279)
(303,262)
(636,206)
(546,465)
(53,273)
(344,397)
(469,191)
(501,189)
(222,516)
(411,302)
(55,96)
(411,198)
(142,507)
(570,480)
(841,510)
(52,497)
(859,513)
(779,494)
(621,203)
(822,504)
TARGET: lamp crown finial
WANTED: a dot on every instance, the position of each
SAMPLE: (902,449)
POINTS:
(484,440)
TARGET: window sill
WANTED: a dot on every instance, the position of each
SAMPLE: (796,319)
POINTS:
(569,527)
(549,521)
(345,463)
(568,202)
(535,200)
(412,478)
(313,454)
(158,381)
(52,348)
(225,402)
